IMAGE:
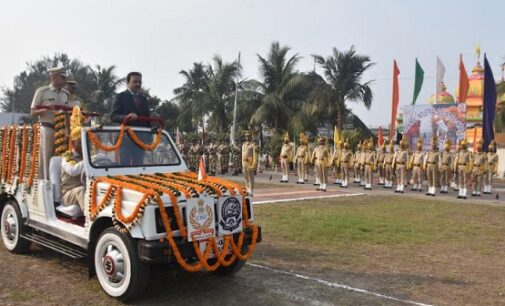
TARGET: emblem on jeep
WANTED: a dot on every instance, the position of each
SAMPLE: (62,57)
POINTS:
(230,214)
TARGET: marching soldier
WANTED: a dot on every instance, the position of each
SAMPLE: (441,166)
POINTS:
(356,164)
(249,162)
(320,159)
(184,148)
(192,157)
(432,165)
(463,166)
(345,163)
(44,98)
(455,178)
(491,167)
(369,165)
(416,164)
(223,155)
(381,155)
(478,165)
(388,165)
(445,169)
(286,153)
(316,175)
(302,156)
(236,159)
(362,159)
(400,164)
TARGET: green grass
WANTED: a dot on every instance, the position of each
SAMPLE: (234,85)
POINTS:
(379,220)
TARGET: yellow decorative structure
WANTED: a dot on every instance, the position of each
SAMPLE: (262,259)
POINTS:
(443,97)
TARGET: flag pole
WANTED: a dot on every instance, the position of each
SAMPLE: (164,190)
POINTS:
(232,133)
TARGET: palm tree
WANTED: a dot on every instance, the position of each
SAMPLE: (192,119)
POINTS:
(280,87)
(106,86)
(343,72)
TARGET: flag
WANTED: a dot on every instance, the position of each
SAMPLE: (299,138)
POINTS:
(202,174)
(474,139)
(380,138)
(336,135)
(395,100)
(418,82)
(489,105)
(464,83)
(440,77)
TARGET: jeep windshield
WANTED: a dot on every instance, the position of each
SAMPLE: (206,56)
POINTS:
(136,148)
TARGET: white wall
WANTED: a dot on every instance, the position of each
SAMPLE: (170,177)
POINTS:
(501,162)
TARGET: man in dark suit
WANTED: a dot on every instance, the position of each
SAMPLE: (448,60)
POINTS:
(128,105)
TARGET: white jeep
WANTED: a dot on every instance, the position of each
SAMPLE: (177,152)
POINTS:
(155,212)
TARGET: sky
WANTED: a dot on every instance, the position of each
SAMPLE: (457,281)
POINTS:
(160,38)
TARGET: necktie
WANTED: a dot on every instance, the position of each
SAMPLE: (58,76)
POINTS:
(138,102)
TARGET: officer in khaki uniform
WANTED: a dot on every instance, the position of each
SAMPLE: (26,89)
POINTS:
(447,160)
(286,154)
(369,164)
(491,167)
(249,162)
(48,96)
(432,164)
(336,162)
(464,167)
(416,164)
(400,165)
(478,166)
(302,156)
(388,165)
(381,155)
(356,163)
(345,164)
(321,159)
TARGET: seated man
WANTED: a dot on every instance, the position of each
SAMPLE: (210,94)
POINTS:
(72,167)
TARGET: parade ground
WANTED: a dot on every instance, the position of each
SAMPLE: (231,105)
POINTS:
(341,247)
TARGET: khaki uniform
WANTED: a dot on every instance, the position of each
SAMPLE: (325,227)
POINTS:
(380,166)
(369,163)
(388,169)
(357,165)
(463,166)
(47,96)
(445,170)
(345,162)
(490,170)
(249,164)
(302,156)
(433,162)
(478,167)
(320,158)
(336,165)
(286,153)
(417,170)
(400,163)
(72,188)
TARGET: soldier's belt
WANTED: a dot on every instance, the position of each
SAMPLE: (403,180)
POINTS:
(461,164)
(431,163)
(417,165)
(284,156)
(400,163)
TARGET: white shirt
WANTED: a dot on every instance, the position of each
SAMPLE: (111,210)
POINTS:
(72,168)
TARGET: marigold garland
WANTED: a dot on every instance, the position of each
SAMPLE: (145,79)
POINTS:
(24,149)
(35,155)
(5,147)
(122,129)
(147,147)
(12,153)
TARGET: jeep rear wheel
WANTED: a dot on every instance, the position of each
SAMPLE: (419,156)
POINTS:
(11,228)
(117,266)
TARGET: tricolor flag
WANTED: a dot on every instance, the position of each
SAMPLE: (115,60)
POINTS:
(202,174)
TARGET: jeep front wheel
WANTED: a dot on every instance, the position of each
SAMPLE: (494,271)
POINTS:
(118,268)
(11,228)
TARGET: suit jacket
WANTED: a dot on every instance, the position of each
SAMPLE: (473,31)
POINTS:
(124,104)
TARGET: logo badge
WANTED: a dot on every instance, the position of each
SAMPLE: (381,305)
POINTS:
(231,215)
(201,221)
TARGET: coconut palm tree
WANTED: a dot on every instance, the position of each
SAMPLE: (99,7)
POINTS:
(343,72)
(106,84)
(279,87)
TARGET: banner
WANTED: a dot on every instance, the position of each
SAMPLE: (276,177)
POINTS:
(447,121)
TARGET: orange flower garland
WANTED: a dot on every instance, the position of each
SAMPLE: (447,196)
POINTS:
(12,153)
(35,155)
(24,148)
(5,147)
(96,142)
(150,147)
